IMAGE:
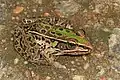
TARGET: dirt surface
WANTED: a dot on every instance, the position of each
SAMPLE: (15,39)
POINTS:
(99,18)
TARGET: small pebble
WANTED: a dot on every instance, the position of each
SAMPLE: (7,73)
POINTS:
(34,10)
(38,1)
(46,14)
(86,66)
(16,60)
(61,77)
(76,60)
(25,62)
(78,63)
(48,78)
(13,18)
(18,9)
(33,74)
(11,39)
(72,69)
(17,18)
(78,77)
(3,41)
(6,48)
(72,62)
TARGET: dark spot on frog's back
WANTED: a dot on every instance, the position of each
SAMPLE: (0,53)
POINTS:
(52,32)
(18,49)
(26,26)
(27,21)
(43,38)
(16,42)
(40,56)
(29,38)
(47,27)
(67,30)
(60,29)
(43,31)
(47,41)
(17,34)
(37,37)
(59,34)
(32,44)
(31,50)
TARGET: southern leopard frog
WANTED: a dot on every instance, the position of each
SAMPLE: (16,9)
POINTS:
(39,40)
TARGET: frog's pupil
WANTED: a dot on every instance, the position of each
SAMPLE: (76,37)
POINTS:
(71,46)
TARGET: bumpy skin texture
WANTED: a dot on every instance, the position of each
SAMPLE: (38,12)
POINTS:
(38,40)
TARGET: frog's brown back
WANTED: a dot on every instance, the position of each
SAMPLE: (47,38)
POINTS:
(25,45)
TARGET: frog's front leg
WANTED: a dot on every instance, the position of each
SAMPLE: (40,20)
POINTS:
(49,55)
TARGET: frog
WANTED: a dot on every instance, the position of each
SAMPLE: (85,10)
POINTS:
(41,40)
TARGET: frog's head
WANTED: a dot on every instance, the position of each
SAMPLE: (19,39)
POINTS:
(73,37)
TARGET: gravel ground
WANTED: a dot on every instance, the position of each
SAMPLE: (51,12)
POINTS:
(99,18)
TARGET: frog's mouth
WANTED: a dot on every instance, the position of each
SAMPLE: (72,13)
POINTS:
(72,49)
(77,51)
